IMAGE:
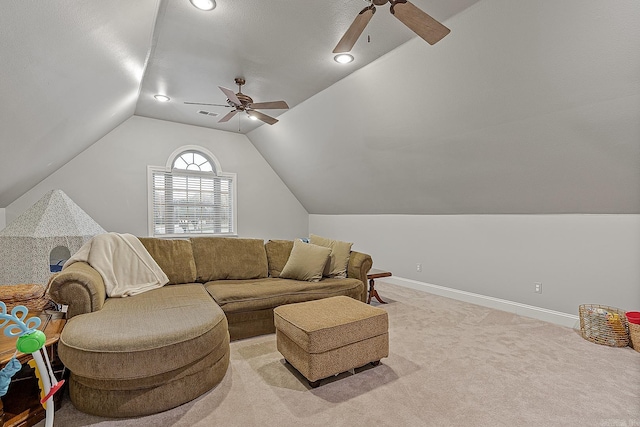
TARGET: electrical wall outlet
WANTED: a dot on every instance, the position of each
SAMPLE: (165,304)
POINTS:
(419,267)
(537,287)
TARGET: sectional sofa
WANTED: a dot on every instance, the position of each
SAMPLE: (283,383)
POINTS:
(150,352)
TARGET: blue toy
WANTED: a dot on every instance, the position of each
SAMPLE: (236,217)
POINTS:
(13,366)
(30,340)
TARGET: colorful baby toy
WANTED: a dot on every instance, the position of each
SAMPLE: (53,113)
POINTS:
(30,341)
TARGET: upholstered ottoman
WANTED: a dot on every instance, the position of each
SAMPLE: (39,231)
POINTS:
(328,336)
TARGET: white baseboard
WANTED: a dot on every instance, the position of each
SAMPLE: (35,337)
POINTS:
(557,317)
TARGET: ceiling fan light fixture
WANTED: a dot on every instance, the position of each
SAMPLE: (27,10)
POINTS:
(241,102)
(343,58)
(204,4)
(162,98)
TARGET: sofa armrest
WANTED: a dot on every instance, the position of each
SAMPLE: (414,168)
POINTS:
(358,267)
(80,287)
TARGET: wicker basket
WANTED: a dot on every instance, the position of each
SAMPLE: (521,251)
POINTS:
(634,333)
(604,325)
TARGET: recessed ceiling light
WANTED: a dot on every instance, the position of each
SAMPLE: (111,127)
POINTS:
(343,58)
(204,4)
(162,98)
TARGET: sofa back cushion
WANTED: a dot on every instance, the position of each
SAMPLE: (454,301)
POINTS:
(278,252)
(174,256)
(219,258)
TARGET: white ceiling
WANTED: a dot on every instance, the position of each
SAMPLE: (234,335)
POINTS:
(281,47)
(73,70)
(70,73)
(526,107)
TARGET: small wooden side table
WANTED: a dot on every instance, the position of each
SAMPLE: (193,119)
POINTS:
(372,275)
(22,406)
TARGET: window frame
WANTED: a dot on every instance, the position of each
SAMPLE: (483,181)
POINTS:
(217,172)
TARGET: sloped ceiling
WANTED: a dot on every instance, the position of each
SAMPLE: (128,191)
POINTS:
(73,70)
(526,107)
(283,48)
(70,73)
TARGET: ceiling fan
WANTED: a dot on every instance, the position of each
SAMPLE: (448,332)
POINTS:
(241,102)
(410,15)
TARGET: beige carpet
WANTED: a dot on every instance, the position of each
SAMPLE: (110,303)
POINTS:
(450,364)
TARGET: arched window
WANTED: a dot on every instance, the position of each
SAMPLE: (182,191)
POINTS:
(193,160)
(191,196)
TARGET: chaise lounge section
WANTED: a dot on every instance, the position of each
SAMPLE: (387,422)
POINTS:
(145,354)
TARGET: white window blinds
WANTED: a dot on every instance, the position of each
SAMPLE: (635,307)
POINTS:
(191,202)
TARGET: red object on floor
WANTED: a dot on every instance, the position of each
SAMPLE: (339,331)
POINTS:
(52,391)
(633,317)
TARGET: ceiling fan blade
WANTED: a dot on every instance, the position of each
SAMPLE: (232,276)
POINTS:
(357,27)
(231,96)
(273,105)
(202,103)
(228,117)
(419,22)
(260,116)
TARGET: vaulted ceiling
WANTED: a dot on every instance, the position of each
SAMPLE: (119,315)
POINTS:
(526,107)
(72,70)
(283,48)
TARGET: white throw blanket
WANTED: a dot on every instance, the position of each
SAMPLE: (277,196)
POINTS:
(123,262)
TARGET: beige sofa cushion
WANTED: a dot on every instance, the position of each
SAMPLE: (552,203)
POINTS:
(219,258)
(278,252)
(245,296)
(339,258)
(145,335)
(174,256)
(306,262)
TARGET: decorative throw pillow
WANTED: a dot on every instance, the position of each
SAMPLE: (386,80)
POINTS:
(339,258)
(306,262)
